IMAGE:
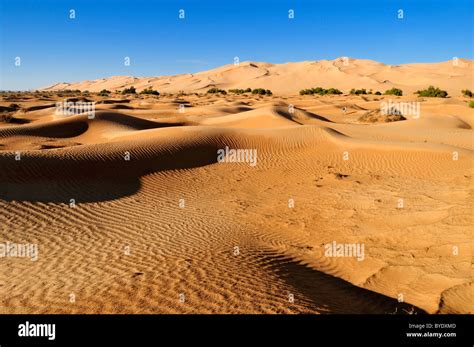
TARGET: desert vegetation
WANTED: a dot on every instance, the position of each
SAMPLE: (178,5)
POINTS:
(216,91)
(358,91)
(130,90)
(394,91)
(149,91)
(433,92)
(467,92)
(262,91)
(240,91)
(320,91)
(104,92)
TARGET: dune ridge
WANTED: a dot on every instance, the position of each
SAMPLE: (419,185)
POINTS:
(290,78)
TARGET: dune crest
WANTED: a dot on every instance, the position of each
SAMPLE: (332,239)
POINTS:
(289,78)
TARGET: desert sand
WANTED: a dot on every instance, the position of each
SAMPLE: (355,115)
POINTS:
(172,230)
(343,73)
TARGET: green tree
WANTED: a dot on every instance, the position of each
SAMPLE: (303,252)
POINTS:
(150,91)
(216,90)
(261,91)
(467,92)
(394,91)
(358,91)
(319,91)
(104,92)
(130,90)
(433,92)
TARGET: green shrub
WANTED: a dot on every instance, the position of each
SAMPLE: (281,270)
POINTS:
(433,92)
(130,90)
(71,91)
(305,92)
(320,91)
(242,91)
(358,91)
(104,92)
(261,91)
(236,91)
(150,91)
(471,103)
(467,92)
(394,91)
(216,91)
(332,91)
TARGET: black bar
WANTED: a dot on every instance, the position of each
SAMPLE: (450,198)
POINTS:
(137,330)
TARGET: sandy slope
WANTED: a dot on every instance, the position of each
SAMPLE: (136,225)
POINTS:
(182,258)
(290,78)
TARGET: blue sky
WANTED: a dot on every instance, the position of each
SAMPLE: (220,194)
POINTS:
(55,48)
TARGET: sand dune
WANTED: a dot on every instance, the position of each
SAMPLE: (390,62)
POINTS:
(290,78)
(129,244)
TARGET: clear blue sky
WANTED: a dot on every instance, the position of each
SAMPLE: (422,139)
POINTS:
(54,48)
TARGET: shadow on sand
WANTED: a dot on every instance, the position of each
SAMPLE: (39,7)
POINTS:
(328,294)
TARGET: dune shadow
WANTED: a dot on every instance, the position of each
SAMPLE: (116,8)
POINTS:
(87,179)
(39,107)
(13,120)
(300,115)
(73,127)
(132,121)
(121,107)
(331,295)
(114,101)
(235,109)
(51,130)
(62,191)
